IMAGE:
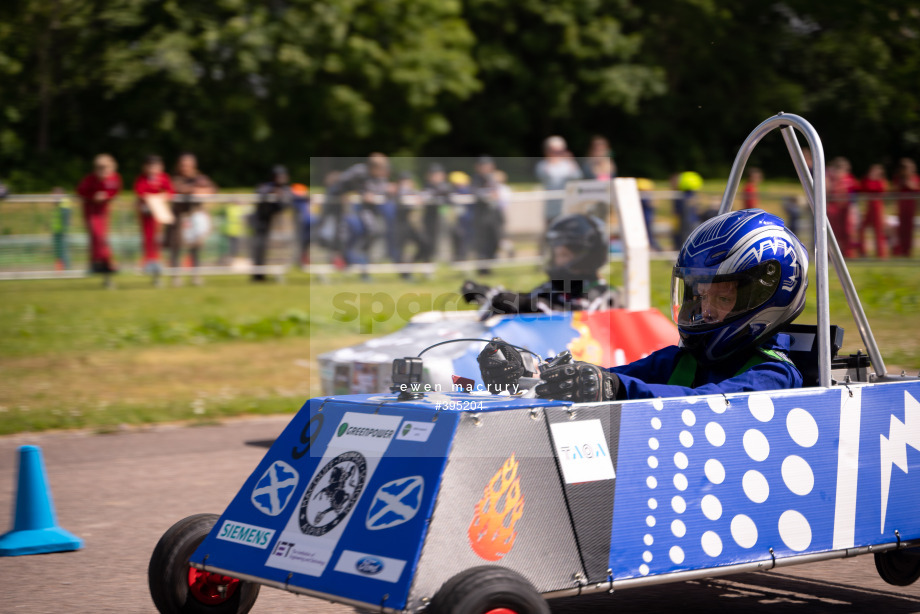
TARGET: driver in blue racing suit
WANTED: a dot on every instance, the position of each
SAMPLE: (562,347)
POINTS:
(739,278)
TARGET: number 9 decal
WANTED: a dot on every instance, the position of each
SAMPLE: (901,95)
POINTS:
(307,436)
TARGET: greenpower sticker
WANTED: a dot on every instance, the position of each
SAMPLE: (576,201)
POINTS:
(246,534)
(342,429)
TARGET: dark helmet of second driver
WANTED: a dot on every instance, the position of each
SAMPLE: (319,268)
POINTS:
(739,278)
(576,247)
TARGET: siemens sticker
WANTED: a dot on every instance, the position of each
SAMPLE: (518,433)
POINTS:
(246,534)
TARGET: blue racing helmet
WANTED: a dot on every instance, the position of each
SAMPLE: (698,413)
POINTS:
(738,278)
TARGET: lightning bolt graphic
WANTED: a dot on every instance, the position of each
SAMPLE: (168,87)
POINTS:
(894,447)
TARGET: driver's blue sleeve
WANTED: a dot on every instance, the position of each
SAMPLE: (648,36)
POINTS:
(647,378)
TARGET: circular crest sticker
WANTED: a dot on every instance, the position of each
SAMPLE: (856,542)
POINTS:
(332,493)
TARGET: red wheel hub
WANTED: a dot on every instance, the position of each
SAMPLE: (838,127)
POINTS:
(501,611)
(211,588)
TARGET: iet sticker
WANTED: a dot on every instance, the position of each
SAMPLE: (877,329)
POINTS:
(246,534)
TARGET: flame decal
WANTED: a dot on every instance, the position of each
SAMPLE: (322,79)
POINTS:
(491,531)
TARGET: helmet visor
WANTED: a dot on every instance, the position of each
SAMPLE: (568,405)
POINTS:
(701,300)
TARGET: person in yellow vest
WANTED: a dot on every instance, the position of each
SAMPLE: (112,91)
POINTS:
(233,228)
(60,225)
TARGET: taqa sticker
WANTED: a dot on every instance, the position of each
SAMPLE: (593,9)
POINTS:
(582,451)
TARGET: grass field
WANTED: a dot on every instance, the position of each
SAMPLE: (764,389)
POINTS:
(75,355)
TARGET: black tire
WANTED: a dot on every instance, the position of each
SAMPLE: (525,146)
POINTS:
(168,572)
(482,589)
(898,567)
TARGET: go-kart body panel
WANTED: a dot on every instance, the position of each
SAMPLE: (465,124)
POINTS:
(727,480)
(348,538)
(356,536)
(609,337)
(562,493)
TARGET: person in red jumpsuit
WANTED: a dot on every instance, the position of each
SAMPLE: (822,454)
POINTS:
(840,187)
(97,190)
(751,187)
(874,183)
(152,181)
(906,181)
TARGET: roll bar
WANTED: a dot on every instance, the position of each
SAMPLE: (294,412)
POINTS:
(816,194)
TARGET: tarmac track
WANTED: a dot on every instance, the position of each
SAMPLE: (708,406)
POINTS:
(121,491)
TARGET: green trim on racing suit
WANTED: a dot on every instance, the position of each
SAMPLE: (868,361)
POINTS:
(685,371)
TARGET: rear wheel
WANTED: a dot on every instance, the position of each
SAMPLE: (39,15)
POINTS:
(898,567)
(177,588)
(488,590)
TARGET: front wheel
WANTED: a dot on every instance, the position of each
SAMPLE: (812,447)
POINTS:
(488,590)
(177,588)
(898,567)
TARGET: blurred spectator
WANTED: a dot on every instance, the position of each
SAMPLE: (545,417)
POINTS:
(648,210)
(331,226)
(751,188)
(602,169)
(462,199)
(274,196)
(4,191)
(874,183)
(503,194)
(303,219)
(840,187)
(555,170)
(154,191)
(906,181)
(60,226)
(688,184)
(408,203)
(809,160)
(371,181)
(487,219)
(598,163)
(196,226)
(793,211)
(188,182)
(436,194)
(97,190)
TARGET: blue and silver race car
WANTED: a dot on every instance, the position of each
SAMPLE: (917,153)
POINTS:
(445,502)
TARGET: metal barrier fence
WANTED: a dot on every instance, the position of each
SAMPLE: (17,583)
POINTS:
(34,228)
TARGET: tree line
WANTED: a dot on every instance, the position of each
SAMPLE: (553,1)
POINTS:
(674,84)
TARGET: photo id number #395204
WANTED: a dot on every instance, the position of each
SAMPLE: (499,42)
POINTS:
(459,406)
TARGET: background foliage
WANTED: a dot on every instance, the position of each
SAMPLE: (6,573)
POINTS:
(675,84)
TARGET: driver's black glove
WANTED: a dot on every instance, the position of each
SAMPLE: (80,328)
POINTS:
(500,365)
(473,292)
(578,382)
